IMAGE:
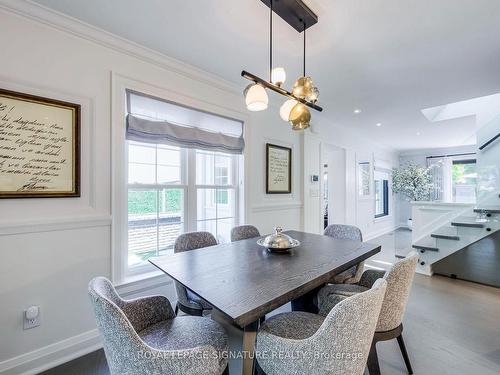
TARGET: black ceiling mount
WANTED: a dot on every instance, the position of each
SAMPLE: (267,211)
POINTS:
(294,12)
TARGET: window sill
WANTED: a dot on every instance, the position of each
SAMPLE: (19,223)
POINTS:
(142,282)
(382,218)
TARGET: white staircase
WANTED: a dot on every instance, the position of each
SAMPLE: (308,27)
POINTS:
(457,234)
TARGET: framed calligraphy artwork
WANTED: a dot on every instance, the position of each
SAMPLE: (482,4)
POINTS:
(278,169)
(39,147)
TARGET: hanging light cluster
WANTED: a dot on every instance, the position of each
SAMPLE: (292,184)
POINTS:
(303,96)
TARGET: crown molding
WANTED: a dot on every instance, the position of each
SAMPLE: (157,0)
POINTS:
(78,28)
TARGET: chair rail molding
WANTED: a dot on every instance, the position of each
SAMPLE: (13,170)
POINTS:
(277,206)
(55,224)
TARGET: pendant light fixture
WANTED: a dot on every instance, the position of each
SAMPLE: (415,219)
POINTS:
(256,97)
(304,94)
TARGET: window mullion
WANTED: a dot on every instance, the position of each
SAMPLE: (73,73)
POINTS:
(191,218)
(235,182)
(157,203)
(216,198)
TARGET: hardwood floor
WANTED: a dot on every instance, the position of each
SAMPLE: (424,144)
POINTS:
(451,327)
(90,364)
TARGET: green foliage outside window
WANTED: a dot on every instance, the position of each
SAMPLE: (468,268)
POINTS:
(144,201)
(464,173)
(222,197)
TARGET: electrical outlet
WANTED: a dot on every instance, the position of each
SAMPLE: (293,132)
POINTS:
(31,317)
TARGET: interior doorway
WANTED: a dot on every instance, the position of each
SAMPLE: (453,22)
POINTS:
(333,184)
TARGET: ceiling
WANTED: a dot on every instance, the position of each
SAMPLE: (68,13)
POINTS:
(389,58)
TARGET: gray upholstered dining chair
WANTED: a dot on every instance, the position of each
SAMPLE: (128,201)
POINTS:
(244,232)
(390,323)
(290,343)
(346,232)
(188,302)
(143,336)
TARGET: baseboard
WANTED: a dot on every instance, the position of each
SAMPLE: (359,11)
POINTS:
(52,355)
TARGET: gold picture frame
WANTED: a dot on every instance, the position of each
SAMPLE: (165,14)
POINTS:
(39,147)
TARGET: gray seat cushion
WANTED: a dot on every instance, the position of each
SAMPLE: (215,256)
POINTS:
(185,332)
(341,289)
(296,325)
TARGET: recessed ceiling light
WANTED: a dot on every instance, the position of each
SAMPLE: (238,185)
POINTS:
(378,124)
(418,133)
(357,111)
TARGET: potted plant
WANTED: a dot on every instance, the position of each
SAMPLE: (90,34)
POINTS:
(414,182)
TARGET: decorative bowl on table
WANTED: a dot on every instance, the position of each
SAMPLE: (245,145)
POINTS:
(278,242)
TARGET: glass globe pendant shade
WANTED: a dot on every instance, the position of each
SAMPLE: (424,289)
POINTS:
(302,87)
(313,95)
(300,117)
(278,76)
(286,108)
(255,97)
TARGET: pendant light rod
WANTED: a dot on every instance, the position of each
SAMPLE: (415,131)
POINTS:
(304,50)
(279,90)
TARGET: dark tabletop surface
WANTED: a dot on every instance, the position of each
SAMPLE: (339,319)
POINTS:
(244,281)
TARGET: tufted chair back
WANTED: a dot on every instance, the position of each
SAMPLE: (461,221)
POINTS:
(399,279)
(187,242)
(244,232)
(346,232)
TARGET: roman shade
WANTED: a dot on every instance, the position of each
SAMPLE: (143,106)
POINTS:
(155,120)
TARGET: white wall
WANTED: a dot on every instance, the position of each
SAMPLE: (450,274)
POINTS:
(51,248)
(356,148)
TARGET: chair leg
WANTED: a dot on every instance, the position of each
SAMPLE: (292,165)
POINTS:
(404,353)
(372,364)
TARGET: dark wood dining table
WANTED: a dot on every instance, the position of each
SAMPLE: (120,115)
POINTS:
(243,281)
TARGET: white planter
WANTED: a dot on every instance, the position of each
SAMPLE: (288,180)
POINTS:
(410,224)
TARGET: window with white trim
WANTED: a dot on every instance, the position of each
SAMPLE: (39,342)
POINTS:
(381,188)
(172,190)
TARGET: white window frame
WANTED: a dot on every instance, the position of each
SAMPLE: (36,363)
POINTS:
(389,203)
(120,272)
(131,271)
(190,189)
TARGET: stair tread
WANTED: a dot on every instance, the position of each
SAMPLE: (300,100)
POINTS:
(447,233)
(426,244)
(467,221)
(488,209)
